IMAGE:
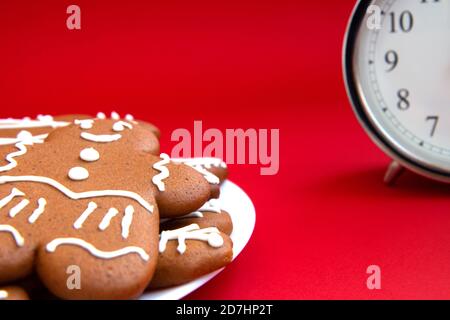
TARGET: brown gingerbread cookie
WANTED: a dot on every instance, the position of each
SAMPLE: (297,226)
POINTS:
(82,209)
(147,125)
(13,293)
(209,215)
(214,170)
(14,133)
(188,253)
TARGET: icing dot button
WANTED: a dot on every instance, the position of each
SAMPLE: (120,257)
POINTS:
(215,240)
(89,155)
(78,174)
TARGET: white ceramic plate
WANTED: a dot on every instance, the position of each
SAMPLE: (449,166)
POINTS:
(237,203)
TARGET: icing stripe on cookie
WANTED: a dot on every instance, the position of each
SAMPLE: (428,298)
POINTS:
(104,224)
(20,241)
(85,124)
(39,210)
(126,221)
(23,138)
(14,193)
(121,125)
(102,138)
(77,196)
(205,162)
(43,121)
(90,208)
(35,139)
(10,157)
(51,247)
(209,176)
(210,206)
(191,232)
(164,172)
(19,207)
(201,164)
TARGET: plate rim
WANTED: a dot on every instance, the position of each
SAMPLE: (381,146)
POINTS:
(181,291)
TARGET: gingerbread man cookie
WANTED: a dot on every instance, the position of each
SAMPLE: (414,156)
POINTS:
(209,215)
(86,201)
(190,252)
(129,118)
(214,170)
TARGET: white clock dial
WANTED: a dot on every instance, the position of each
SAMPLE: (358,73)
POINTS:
(402,71)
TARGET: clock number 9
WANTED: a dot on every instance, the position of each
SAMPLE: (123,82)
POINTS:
(405,21)
(391,58)
(403,102)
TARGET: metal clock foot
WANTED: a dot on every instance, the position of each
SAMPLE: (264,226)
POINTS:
(394,170)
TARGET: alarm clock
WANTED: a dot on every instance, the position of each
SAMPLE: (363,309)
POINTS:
(396,64)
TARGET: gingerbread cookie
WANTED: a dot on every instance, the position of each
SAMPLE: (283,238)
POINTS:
(85,203)
(188,253)
(214,170)
(147,125)
(209,215)
(13,293)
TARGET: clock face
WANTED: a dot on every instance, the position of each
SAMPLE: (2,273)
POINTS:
(401,71)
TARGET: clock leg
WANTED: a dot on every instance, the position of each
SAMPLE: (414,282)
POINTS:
(393,172)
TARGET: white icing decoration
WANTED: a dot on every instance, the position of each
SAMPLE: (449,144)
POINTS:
(104,224)
(39,210)
(126,221)
(101,116)
(89,155)
(51,247)
(191,232)
(115,115)
(19,207)
(20,241)
(201,164)
(195,214)
(81,195)
(85,124)
(14,193)
(3,294)
(164,172)
(42,121)
(209,176)
(206,162)
(25,138)
(78,174)
(210,206)
(129,117)
(90,208)
(100,138)
(121,125)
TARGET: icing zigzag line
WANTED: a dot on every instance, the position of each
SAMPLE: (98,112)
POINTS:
(81,195)
(164,172)
(51,247)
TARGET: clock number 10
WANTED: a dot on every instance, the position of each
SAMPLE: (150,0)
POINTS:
(403,22)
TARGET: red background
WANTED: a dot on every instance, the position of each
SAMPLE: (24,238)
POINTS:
(246,64)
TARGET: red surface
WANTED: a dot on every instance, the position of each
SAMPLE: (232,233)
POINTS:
(246,64)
